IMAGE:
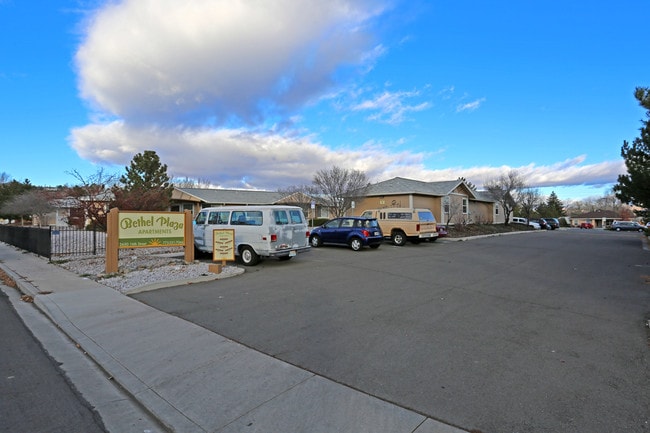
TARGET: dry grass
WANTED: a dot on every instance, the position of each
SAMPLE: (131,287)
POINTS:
(462,231)
(7,280)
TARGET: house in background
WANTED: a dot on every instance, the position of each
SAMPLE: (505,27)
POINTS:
(452,202)
(195,199)
(599,218)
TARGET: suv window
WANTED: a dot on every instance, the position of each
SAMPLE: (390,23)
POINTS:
(426,217)
(399,215)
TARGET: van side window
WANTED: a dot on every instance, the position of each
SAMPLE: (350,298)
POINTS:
(296,217)
(280,217)
(201,217)
(251,218)
(218,217)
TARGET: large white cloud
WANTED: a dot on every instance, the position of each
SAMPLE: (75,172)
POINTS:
(206,82)
(210,60)
(240,158)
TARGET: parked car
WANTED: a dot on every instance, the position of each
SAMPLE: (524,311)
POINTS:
(586,226)
(553,223)
(402,224)
(626,226)
(356,232)
(529,223)
(442,231)
(259,231)
(542,224)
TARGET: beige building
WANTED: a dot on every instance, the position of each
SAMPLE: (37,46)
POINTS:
(452,202)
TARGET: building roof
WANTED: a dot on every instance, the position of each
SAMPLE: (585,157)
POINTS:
(599,214)
(400,185)
(228,196)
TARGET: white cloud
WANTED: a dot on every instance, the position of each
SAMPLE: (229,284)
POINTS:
(390,107)
(165,60)
(211,85)
(270,161)
(470,106)
(226,156)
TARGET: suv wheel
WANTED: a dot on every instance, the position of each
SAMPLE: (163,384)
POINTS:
(355,244)
(315,241)
(398,238)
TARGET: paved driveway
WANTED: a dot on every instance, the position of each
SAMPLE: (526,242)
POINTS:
(535,332)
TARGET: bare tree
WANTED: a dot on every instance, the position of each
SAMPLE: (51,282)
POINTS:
(188,182)
(338,188)
(33,204)
(299,195)
(453,209)
(506,189)
(530,199)
(90,198)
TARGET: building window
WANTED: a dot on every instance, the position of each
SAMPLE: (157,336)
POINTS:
(464,206)
(445,205)
(496,209)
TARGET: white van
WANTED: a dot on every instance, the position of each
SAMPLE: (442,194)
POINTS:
(520,220)
(400,224)
(260,231)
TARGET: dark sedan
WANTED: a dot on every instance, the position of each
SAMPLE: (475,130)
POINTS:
(355,232)
(553,223)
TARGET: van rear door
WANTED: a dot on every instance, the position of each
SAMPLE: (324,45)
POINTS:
(290,228)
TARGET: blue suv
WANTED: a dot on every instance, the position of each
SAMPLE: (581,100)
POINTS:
(356,232)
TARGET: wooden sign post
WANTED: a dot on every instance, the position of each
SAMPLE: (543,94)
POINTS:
(142,229)
(223,248)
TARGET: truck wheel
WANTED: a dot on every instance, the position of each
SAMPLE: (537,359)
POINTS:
(355,244)
(398,238)
(249,257)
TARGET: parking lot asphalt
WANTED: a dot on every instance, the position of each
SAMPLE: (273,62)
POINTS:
(539,332)
(191,379)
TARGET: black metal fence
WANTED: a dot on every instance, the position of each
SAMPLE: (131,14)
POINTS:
(55,241)
(35,239)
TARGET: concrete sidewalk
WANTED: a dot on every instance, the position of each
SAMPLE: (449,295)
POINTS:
(191,379)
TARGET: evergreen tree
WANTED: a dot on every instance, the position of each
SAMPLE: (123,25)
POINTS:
(634,187)
(553,208)
(145,186)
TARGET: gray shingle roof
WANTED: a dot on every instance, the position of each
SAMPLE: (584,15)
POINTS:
(400,185)
(233,196)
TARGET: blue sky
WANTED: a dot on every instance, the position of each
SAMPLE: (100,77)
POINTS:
(263,94)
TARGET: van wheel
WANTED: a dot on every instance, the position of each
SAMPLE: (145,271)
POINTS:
(249,257)
(315,241)
(398,238)
(355,244)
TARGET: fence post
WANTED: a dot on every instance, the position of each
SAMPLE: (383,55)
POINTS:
(189,237)
(112,240)
(94,239)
